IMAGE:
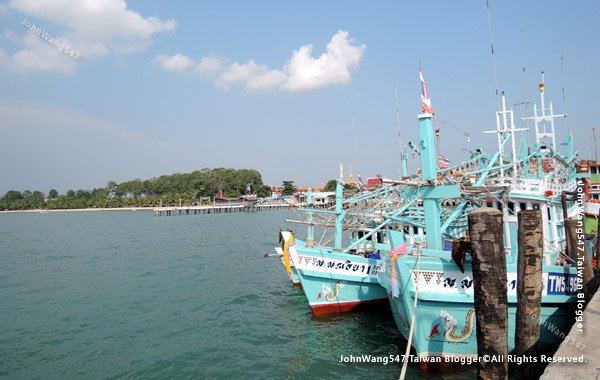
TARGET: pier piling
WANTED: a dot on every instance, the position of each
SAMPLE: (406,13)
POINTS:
(529,289)
(491,303)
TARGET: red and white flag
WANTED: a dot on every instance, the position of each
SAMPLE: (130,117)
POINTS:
(443,161)
(425,101)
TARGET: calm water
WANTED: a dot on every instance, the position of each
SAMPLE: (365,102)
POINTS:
(129,295)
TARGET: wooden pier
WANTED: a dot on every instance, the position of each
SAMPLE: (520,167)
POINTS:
(577,357)
(219,209)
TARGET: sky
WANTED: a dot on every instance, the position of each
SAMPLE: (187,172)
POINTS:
(99,90)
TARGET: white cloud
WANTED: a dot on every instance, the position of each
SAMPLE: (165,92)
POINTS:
(39,56)
(255,77)
(331,68)
(178,62)
(93,28)
(302,72)
(210,65)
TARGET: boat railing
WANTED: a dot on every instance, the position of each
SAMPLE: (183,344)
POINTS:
(538,186)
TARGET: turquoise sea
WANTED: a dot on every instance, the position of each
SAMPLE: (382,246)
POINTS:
(125,294)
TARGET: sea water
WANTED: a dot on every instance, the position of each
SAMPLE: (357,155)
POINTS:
(125,294)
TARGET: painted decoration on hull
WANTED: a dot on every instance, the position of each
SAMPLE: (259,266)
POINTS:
(331,295)
(452,282)
(337,266)
(445,328)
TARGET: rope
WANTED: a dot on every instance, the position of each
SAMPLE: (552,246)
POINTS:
(412,322)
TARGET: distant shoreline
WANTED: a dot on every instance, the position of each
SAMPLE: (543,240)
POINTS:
(43,211)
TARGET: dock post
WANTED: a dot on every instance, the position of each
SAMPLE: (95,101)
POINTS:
(491,301)
(578,248)
(529,290)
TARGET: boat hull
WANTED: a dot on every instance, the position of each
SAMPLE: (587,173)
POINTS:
(336,282)
(445,315)
(294,278)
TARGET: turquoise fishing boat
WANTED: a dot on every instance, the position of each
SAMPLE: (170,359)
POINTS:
(286,238)
(426,285)
(340,278)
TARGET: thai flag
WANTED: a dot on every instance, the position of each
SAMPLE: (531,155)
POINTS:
(360,182)
(443,161)
(425,101)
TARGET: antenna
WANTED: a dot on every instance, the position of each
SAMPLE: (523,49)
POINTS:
(402,148)
(525,79)
(493,55)
(564,99)
(355,144)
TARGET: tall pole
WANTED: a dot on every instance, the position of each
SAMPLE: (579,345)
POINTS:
(404,171)
(429,167)
(355,144)
(339,210)
(311,227)
(595,146)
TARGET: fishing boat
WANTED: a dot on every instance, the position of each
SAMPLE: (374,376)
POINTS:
(342,277)
(286,238)
(426,285)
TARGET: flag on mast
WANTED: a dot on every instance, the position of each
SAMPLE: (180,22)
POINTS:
(443,161)
(425,100)
(360,181)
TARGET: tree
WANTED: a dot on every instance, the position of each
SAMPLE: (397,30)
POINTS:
(71,193)
(53,194)
(264,191)
(83,194)
(110,187)
(331,185)
(38,195)
(26,194)
(13,195)
(288,188)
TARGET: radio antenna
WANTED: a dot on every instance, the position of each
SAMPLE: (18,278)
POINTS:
(493,53)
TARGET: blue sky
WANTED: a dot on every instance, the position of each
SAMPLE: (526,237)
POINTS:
(165,87)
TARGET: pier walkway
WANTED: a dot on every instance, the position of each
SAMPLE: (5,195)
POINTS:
(577,344)
(218,209)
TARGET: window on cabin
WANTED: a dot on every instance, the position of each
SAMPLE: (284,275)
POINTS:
(523,206)
(406,229)
(594,170)
(536,206)
(549,213)
(490,204)
(511,208)
(499,205)
(415,230)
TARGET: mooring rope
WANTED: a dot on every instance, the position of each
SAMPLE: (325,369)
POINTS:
(412,322)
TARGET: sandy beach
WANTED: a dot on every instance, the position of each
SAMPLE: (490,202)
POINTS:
(42,211)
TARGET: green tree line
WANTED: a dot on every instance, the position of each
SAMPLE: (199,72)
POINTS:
(168,190)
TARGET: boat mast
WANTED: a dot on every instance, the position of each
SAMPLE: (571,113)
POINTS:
(355,145)
(493,55)
(505,129)
(543,119)
(404,172)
